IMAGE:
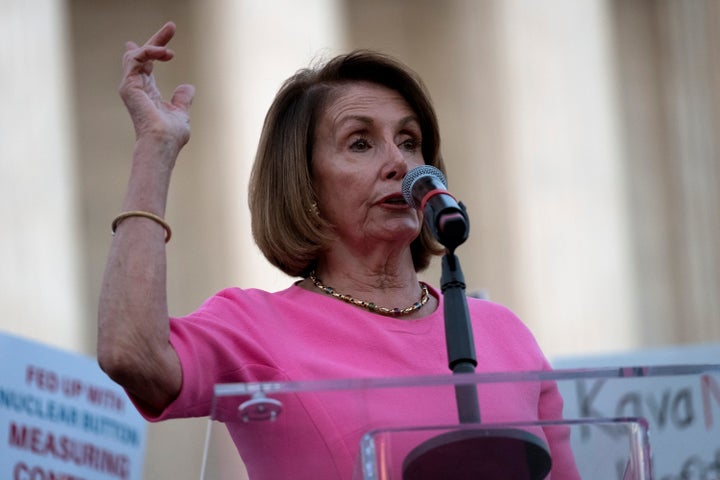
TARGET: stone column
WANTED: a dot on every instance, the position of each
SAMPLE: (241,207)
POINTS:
(693,71)
(567,175)
(42,297)
(669,75)
(244,50)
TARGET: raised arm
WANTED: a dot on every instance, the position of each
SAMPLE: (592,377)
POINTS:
(133,328)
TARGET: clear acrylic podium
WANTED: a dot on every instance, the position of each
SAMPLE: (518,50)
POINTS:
(633,423)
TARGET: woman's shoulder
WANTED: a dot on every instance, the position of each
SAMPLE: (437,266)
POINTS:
(238,294)
(232,298)
(498,319)
(491,309)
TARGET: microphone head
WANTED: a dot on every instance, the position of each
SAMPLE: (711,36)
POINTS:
(414,175)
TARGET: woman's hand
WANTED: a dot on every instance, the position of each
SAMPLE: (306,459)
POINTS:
(152,116)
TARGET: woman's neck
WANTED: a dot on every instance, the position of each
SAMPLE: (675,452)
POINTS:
(384,278)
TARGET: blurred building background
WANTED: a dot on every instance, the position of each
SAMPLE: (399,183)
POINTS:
(582,134)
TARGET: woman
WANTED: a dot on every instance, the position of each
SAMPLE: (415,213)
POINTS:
(326,206)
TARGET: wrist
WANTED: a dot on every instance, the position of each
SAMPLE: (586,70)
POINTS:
(151,169)
(155,153)
(159,144)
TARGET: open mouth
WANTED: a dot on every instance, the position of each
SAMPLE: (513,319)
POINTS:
(395,200)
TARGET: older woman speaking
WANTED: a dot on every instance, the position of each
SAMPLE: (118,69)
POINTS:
(326,204)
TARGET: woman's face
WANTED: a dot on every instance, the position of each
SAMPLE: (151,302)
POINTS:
(366,140)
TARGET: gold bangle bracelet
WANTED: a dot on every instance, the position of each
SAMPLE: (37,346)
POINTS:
(140,213)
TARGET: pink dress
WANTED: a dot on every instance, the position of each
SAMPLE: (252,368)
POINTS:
(294,335)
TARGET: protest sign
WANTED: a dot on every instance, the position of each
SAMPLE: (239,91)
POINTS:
(682,411)
(62,418)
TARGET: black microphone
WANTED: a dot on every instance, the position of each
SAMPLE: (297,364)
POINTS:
(425,188)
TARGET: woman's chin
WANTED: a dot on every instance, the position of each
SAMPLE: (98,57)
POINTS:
(400,231)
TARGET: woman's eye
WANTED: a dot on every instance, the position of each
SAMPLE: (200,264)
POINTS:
(411,144)
(360,145)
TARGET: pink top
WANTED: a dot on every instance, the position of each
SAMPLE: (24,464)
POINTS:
(293,335)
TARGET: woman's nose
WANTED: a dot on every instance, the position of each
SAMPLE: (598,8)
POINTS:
(396,166)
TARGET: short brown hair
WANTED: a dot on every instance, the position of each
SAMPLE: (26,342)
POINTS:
(281,193)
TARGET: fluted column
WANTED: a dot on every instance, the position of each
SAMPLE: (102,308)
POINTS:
(41,295)
(568,178)
(244,51)
(691,68)
(669,72)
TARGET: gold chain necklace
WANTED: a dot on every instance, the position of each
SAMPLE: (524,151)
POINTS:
(391,312)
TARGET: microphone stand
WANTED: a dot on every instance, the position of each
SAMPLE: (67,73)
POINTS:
(459,337)
(484,453)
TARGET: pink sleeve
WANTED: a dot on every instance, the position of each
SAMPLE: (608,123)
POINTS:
(214,350)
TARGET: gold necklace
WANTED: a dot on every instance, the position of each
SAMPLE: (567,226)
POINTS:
(391,312)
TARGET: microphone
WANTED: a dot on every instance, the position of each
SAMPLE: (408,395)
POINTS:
(425,189)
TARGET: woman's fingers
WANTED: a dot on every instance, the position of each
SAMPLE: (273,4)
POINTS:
(162,36)
(140,58)
(183,96)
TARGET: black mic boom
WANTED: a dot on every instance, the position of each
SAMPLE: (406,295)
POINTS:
(425,188)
